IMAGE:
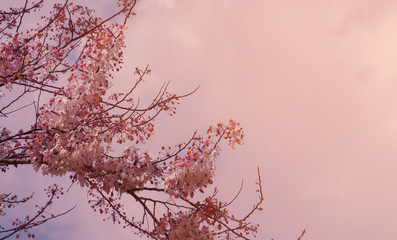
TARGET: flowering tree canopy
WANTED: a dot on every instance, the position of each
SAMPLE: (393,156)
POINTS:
(65,63)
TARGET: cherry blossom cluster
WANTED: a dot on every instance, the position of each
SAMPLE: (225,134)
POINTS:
(122,174)
(183,225)
(232,132)
(192,171)
(76,129)
(25,60)
(5,147)
(196,168)
(11,57)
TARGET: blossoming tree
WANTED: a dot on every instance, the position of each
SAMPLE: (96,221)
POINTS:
(65,63)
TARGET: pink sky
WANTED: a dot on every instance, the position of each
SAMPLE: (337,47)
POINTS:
(314,85)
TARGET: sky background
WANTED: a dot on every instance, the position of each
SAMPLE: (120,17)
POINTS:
(314,85)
